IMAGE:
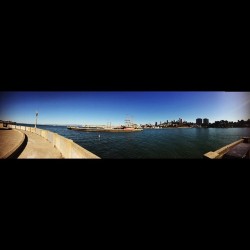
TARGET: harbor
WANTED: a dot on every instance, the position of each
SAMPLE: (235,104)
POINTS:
(153,143)
(158,125)
(49,141)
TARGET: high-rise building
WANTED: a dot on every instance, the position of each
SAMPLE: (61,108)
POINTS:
(199,121)
(180,120)
(205,121)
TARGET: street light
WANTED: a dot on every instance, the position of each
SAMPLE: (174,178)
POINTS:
(36,119)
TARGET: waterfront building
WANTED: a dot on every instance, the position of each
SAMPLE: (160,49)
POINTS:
(206,121)
(199,121)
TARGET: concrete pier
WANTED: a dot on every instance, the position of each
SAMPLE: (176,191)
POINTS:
(28,142)
(11,142)
(236,150)
(38,148)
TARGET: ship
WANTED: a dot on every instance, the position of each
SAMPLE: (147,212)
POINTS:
(87,128)
(129,127)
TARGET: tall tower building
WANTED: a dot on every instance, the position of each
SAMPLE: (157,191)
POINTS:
(205,121)
(199,121)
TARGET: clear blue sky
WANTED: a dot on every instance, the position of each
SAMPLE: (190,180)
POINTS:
(102,107)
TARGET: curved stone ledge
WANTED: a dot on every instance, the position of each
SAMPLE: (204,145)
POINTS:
(17,148)
(68,148)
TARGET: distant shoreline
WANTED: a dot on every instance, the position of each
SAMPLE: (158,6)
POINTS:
(168,128)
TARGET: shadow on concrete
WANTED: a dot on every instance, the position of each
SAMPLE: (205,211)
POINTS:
(16,154)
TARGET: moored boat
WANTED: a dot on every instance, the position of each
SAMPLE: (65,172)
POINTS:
(125,129)
(129,127)
(87,128)
(100,129)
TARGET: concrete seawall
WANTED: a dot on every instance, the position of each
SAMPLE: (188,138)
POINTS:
(220,152)
(68,148)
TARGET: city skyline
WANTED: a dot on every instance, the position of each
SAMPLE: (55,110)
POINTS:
(102,107)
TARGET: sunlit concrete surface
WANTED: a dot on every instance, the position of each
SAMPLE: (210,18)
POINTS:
(10,140)
(38,147)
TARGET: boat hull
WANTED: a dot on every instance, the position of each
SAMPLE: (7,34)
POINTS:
(113,130)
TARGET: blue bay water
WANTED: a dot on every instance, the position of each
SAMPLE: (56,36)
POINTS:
(177,143)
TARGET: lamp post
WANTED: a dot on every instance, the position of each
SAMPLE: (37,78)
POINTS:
(36,119)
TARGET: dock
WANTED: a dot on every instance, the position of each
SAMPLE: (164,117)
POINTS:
(38,147)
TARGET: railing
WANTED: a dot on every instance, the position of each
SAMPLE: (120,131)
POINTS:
(67,147)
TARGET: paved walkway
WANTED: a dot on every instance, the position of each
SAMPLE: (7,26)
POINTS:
(9,140)
(38,147)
